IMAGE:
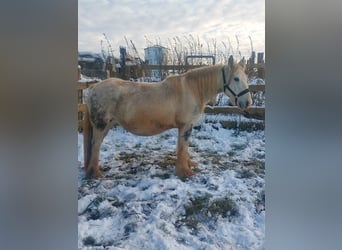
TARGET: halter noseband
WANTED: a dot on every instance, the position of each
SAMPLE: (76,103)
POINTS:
(226,86)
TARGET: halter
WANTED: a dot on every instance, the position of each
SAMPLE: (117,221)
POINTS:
(226,86)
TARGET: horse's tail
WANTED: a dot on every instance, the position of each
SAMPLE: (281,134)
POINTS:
(87,138)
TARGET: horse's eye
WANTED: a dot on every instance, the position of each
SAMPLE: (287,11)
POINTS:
(236,79)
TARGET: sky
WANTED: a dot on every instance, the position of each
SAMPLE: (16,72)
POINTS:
(235,25)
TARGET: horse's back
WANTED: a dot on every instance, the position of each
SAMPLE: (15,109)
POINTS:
(141,108)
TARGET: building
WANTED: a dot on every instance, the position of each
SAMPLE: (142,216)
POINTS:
(156,55)
(92,64)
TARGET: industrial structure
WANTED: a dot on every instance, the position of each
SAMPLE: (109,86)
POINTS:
(156,55)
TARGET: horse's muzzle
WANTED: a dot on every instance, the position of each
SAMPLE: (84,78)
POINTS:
(244,104)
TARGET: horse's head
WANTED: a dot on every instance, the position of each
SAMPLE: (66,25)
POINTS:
(236,84)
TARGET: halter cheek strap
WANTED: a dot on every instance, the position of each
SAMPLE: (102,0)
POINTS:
(226,86)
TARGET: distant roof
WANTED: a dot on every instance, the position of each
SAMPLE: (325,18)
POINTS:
(88,53)
(156,46)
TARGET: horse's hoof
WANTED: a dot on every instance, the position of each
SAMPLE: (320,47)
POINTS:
(193,164)
(98,175)
(184,172)
(95,174)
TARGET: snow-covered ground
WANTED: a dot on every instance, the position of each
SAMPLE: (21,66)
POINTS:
(141,204)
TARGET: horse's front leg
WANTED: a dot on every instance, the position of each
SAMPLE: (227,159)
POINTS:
(183,163)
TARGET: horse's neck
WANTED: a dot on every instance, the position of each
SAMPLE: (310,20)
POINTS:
(204,83)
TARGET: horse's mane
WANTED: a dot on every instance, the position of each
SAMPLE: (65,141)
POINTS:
(203,82)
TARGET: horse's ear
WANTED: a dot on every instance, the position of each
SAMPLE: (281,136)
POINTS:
(231,61)
(243,62)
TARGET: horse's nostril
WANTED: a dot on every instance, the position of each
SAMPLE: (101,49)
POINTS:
(242,104)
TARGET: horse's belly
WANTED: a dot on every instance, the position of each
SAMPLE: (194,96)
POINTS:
(147,124)
(146,128)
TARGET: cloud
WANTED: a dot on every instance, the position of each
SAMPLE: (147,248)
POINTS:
(163,19)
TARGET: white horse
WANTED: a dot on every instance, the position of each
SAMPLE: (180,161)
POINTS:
(151,108)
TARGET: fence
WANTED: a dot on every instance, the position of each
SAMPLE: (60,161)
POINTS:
(253,112)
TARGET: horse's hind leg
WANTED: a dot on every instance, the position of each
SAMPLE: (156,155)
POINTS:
(93,169)
(183,163)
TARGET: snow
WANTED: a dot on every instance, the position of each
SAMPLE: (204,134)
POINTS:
(141,204)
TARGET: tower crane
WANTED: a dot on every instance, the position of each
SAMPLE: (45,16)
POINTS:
(136,54)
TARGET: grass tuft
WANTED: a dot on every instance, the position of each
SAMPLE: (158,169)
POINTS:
(89,241)
(203,210)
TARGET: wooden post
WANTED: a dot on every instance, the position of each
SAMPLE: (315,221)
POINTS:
(260,57)
(79,100)
(261,71)
(252,58)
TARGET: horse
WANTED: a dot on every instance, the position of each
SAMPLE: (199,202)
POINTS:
(148,109)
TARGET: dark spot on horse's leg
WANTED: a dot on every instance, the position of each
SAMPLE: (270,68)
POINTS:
(187,133)
(100,125)
(98,120)
(97,116)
